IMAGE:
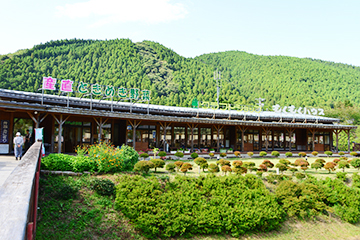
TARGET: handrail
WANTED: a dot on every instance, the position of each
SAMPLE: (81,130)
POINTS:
(19,197)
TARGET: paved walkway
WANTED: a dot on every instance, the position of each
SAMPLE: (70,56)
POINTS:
(7,165)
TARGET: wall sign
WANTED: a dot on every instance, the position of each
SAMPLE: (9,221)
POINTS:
(4,131)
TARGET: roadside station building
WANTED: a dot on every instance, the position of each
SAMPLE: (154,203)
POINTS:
(68,122)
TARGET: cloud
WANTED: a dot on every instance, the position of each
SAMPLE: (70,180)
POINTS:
(113,11)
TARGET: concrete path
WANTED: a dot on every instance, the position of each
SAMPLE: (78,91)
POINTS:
(7,165)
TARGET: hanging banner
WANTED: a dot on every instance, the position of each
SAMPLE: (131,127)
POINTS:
(4,131)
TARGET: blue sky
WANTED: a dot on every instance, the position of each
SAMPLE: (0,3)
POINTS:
(327,30)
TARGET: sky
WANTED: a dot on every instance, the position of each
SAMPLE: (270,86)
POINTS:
(320,29)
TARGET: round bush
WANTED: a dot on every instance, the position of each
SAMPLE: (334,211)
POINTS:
(300,175)
(262,154)
(104,187)
(213,168)
(144,155)
(171,167)
(237,153)
(162,154)
(143,166)
(315,153)
(288,154)
(194,155)
(179,154)
(222,154)
(275,153)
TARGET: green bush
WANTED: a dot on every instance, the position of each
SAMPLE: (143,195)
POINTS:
(262,154)
(315,153)
(104,187)
(248,207)
(222,154)
(343,164)
(57,162)
(355,163)
(354,154)
(288,154)
(194,155)
(341,153)
(274,178)
(303,199)
(143,166)
(110,159)
(282,167)
(83,163)
(170,167)
(341,176)
(302,154)
(268,163)
(316,165)
(328,153)
(201,162)
(284,161)
(250,154)
(144,155)
(162,154)
(179,154)
(300,175)
(158,163)
(275,153)
(213,168)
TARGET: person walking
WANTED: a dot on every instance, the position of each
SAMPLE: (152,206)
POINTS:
(18,141)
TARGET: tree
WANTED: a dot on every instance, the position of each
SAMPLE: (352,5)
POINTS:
(343,164)
(328,153)
(316,165)
(170,167)
(213,168)
(158,163)
(143,166)
(178,164)
(293,170)
(263,168)
(226,168)
(249,165)
(282,167)
(284,161)
(330,166)
(223,162)
(201,162)
(321,161)
(268,163)
(186,167)
(356,163)
(144,155)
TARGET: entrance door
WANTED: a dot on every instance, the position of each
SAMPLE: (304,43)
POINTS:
(72,138)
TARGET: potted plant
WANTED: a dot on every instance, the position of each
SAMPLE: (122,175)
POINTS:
(230,150)
(187,151)
(212,150)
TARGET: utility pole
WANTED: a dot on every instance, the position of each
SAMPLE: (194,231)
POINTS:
(217,77)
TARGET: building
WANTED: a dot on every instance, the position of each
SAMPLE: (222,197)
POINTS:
(84,121)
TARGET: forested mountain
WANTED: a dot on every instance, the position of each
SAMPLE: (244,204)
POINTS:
(175,80)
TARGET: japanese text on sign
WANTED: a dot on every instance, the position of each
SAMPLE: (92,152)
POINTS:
(4,131)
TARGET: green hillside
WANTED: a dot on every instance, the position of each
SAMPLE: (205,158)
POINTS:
(175,80)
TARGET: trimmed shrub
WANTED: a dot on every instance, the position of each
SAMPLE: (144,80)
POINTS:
(143,166)
(330,166)
(178,164)
(355,163)
(226,169)
(237,153)
(288,154)
(213,168)
(284,161)
(223,162)
(300,175)
(317,165)
(314,153)
(341,153)
(263,168)
(158,163)
(179,155)
(281,167)
(262,153)
(201,162)
(275,153)
(293,170)
(186,167)
(343,164)
(57,162)
(211,155)
(83,163)
(249,165)
(250,154)
(222,154)
(104,187)
(170,167)
(321,161)
(336,160)
(302,154)
(194,155)
(328,153)
(354,154)
(268,163)
(144,155)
